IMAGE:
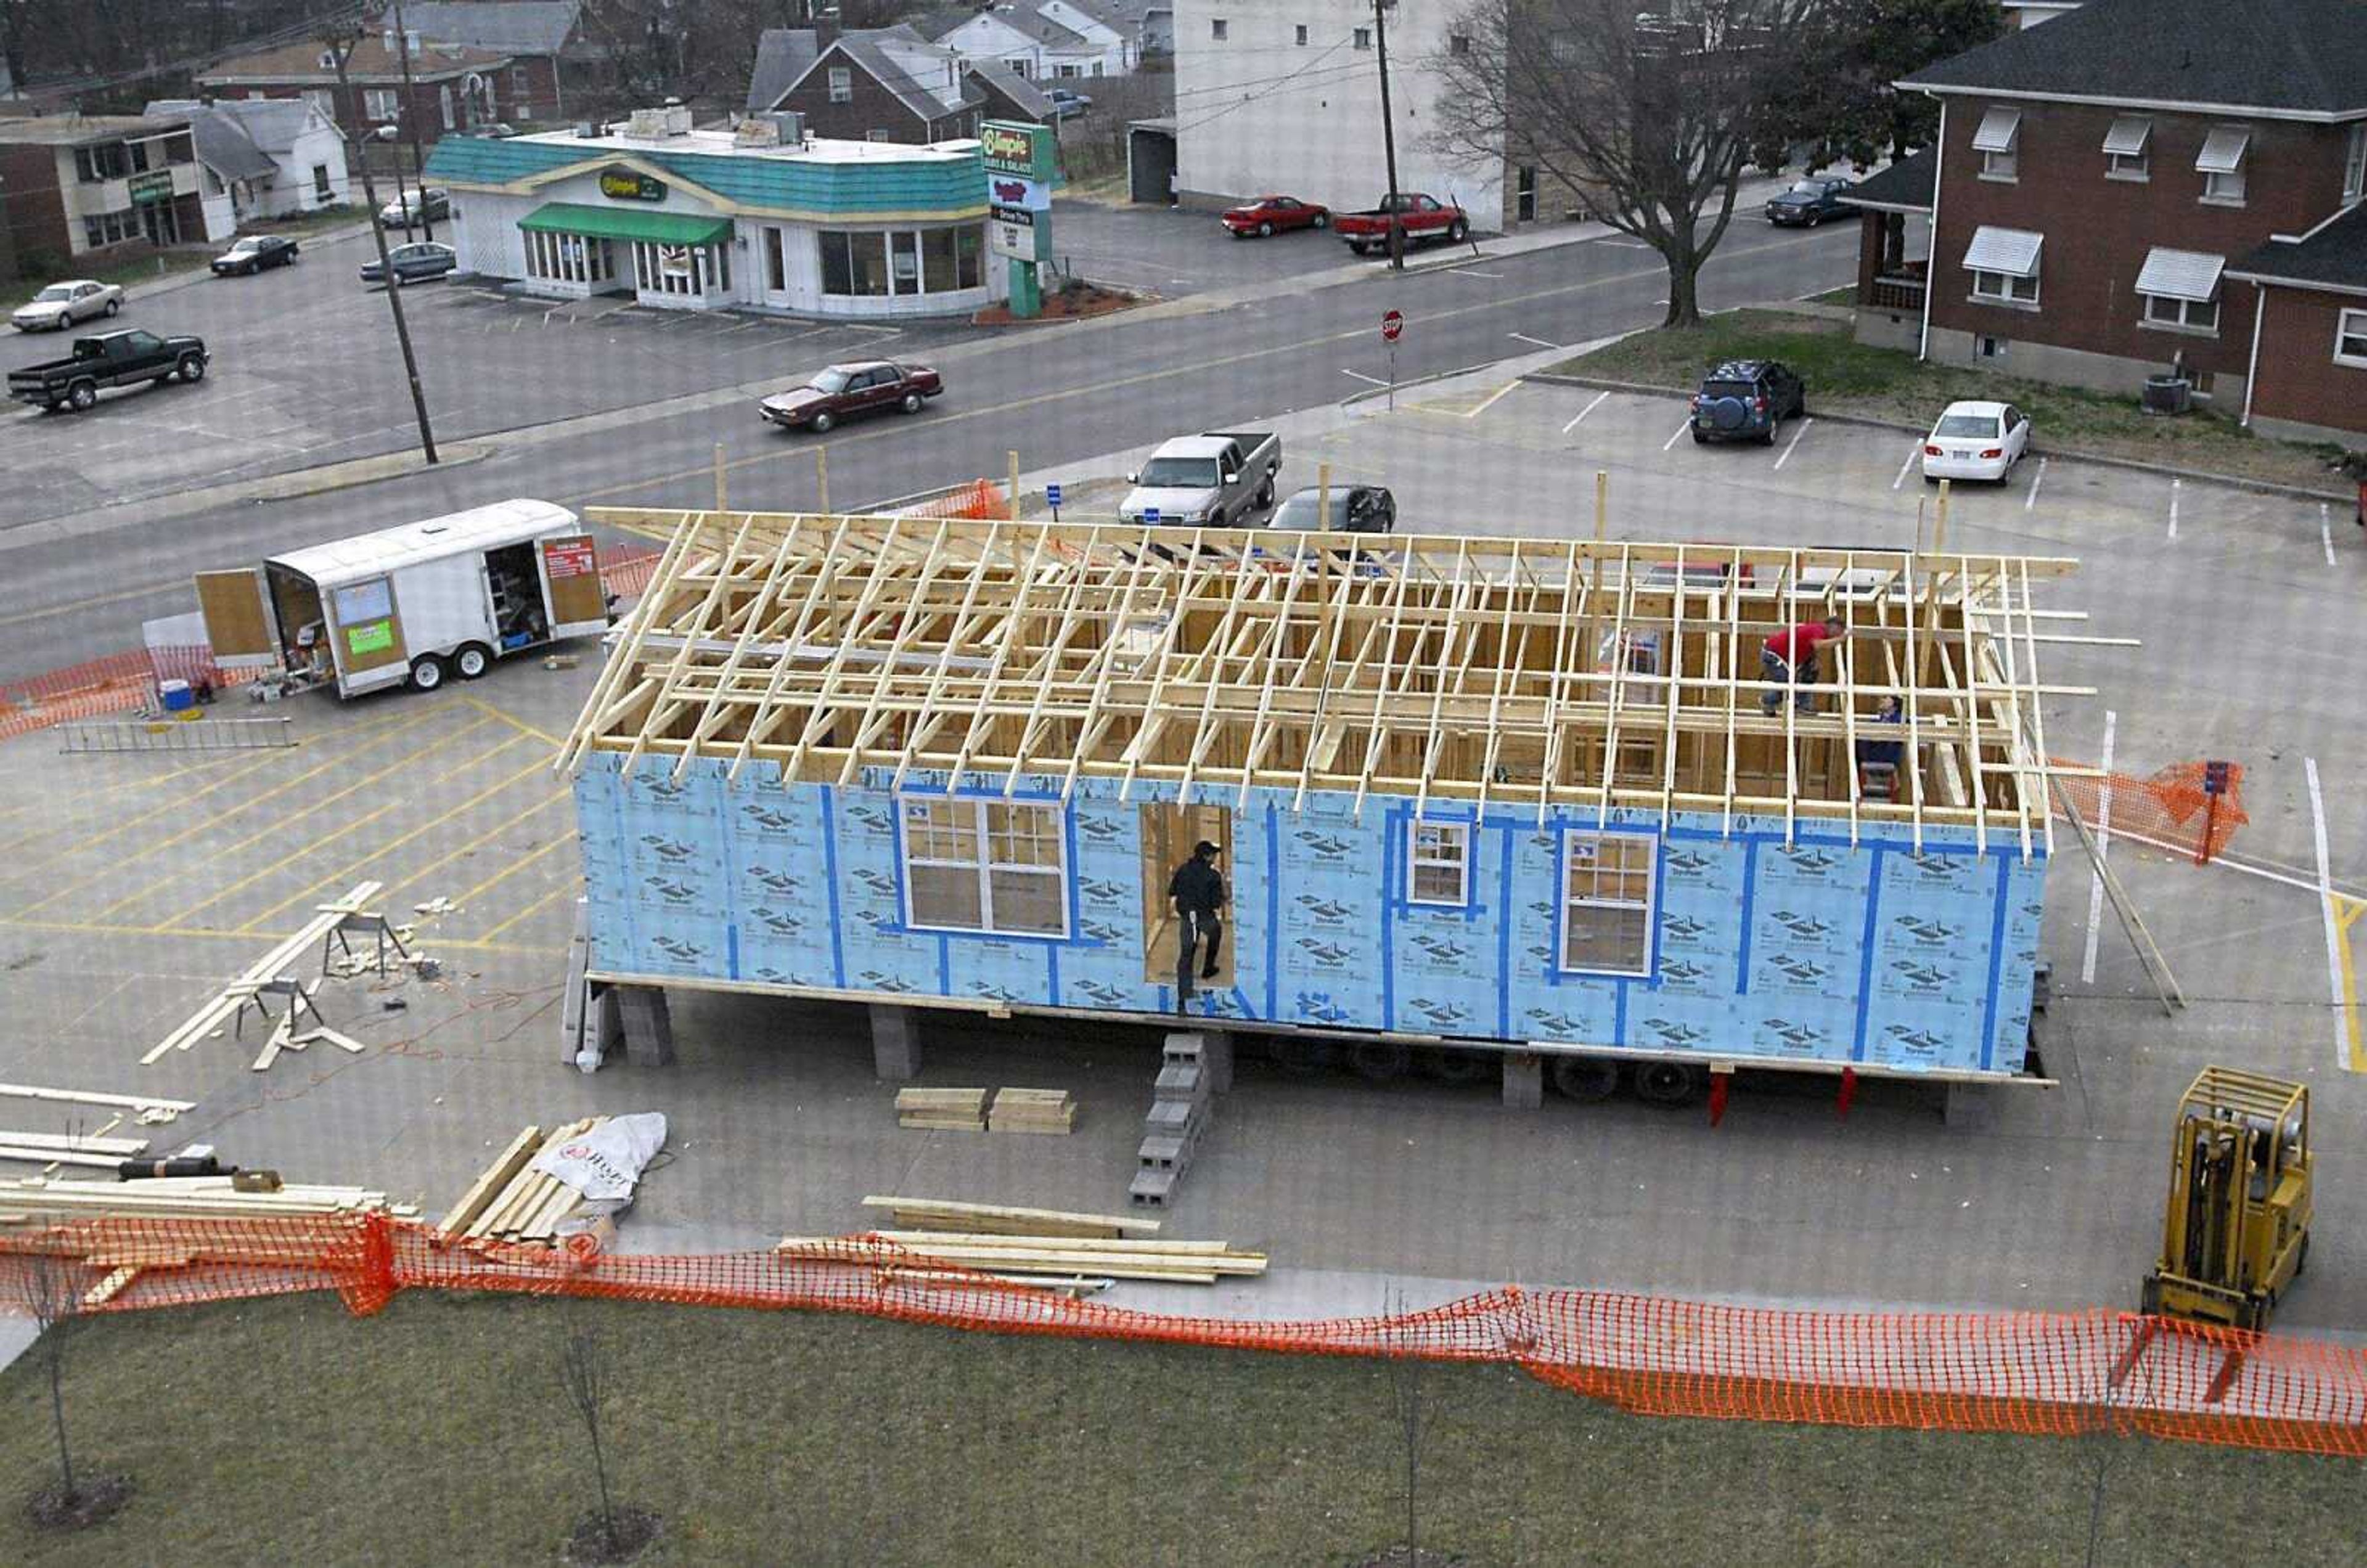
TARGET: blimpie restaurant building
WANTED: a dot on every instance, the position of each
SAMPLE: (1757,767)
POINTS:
(763,217)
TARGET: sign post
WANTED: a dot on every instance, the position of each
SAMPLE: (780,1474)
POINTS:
(1392,323)
(1052,499)
(1021,161)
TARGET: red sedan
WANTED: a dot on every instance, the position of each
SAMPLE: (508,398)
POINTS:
(869,386)
(1271,215)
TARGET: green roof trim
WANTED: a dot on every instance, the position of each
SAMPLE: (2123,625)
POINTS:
(851,189)
(626,223)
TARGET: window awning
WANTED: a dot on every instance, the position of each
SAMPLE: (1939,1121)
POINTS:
(2013,252)
(625,223)
(2180,275)
(1999,128)
(2128,136)
(2223,151)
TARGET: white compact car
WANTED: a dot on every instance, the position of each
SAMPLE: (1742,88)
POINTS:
(1975,441)
(61,305)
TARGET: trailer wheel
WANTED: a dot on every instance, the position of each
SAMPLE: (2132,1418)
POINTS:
(1587,1079)
(1301,1058)
(472,660)
(1378,1061)
(1451,1066)
(427,672)
(1669,1084)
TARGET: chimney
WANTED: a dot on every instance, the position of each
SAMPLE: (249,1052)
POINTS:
(825,32)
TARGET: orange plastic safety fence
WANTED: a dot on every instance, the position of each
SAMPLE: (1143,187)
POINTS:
(119,682)
(979,499)
(2047,1374)
(625,573)
(2174,809)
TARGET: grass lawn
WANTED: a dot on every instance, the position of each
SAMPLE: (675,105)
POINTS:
(1847,376)
(282,1431)
(158,265)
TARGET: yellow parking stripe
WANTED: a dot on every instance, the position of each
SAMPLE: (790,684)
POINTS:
(566,890)
(474,945)
(414,878)
(513,721)
(2345,914)
(514,868)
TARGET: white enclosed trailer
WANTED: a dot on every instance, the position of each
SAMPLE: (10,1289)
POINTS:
(412,604)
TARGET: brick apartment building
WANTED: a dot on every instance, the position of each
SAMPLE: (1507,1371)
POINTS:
(95,187)
(2140,184)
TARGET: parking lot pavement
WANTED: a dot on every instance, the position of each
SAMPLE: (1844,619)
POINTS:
(1174,251)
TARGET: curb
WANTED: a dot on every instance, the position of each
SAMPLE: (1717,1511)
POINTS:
(197,275)
(1369,393)
(2068,453)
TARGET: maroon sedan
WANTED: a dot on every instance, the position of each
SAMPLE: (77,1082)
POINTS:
(869,386)
(1271,215)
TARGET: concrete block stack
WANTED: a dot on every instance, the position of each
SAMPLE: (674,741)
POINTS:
(1179,1117)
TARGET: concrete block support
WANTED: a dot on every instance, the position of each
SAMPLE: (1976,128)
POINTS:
(647,1025)
(895,1043)
(1525,1080)
(1217,1061)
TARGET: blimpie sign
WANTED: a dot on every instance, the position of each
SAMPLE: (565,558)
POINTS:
(1014,149)
(631,185)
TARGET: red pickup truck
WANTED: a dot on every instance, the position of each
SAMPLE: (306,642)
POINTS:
(1419,217)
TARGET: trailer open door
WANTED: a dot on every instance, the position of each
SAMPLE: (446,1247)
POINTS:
(240,625)
(570,585)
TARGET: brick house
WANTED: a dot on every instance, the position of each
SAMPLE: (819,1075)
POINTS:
(885,84)
(452,88)
(536,34)
(2112,189)
(96,187)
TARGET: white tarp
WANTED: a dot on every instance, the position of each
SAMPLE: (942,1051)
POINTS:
(607,1161)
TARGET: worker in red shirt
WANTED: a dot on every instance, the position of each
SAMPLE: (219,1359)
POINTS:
(1790,660)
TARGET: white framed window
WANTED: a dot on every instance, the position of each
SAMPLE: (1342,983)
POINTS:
(1217,28)
(1361,38)
(2221,164)
(2180,289)
(993,866)
(1298,36)
(2354,164)
(842,86)
(2126,151)
(1608,896)
(1438,864)
(1458,44)
(2351,339)
(2194,315)
(1998,140)
(381,103)
(2004,288)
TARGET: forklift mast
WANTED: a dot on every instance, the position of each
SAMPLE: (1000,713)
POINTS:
(2235,1230)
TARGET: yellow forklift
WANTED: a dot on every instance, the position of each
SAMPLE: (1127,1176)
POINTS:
(2237,1233)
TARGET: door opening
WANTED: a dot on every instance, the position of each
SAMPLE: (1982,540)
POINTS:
(1169,833)
(518,617)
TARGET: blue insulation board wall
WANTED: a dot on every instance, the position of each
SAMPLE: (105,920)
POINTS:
(1814,950)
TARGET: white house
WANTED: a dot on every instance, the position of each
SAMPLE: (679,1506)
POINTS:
(1043,41)
(263,158)
(1289,100)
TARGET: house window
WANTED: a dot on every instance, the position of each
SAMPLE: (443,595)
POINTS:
(322,99)
(842,86)
(1020,66)
(1458,44)
(1607,896)
(2002,287)
(1361,38)
(1525,193)
(107,161)
(2180,289)
(320,182)
(111,228)
(139,151)
(381,103)
(181,149)
(1438,864)
(2221,164)
(1298,37)
(517,87)
(443,98)
(1989,348)
(2197,315)
(876,134)
(1997,141)
(1217,28)
(985,865)
(2125,157)
(2351,339)
(2004,265)
(2355,165)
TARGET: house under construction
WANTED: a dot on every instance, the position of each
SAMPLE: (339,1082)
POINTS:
(1493,792)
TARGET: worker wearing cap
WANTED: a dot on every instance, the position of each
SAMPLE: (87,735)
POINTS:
(1790,660)
(1198,892)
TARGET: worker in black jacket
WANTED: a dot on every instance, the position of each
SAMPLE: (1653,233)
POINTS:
(1198,892)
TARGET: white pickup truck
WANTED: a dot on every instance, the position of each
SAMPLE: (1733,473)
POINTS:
(1212,479)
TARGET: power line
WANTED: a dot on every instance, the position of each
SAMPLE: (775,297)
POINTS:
(1280,83)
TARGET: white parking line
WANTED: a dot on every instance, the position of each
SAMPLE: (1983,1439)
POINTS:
(1672,440)
(1359,374)
(1538,341)
(1472,272)
(2325,908)
(2103,852)
(2174,485)
(2029,500)
(1912,453)
(1793,443)
(1584,412)
(2325,531)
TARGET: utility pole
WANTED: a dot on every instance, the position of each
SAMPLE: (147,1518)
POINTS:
(1388,135)
(408,118)
(340,53)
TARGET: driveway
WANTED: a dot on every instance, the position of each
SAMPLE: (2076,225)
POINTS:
(1173,250)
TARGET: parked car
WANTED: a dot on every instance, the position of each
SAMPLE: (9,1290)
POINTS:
(1975,441)
(1419,217)
(1746,400)
(253,253)
(1808,202)
(109,359)
(1355,509)
(413,263)
(841,391)
(1213,479)
(1270,215)
(407,209)
(61,305)
(1066,102)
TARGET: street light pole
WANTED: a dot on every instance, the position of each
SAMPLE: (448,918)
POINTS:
(340,53)
(1388,135)
(410,118)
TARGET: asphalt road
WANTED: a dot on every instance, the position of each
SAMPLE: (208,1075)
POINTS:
(1052,394)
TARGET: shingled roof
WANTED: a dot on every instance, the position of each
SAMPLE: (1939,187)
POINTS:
(2335,258)
(1905,186)
(2279,58)
(783,55)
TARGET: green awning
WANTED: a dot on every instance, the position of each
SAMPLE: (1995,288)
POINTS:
(626,223)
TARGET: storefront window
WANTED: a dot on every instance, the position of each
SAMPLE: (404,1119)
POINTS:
(837,273)
(970,246)
(904,255)
(904,260)
(937,260)
(775,271)
(870,253)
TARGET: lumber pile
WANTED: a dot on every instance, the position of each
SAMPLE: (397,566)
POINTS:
(1002,1219)
(942,1109)
(67,1148)
(265,973)
(145,1108)
(187,1198)
(1035,1259)
(508,1202)
(1033,1110)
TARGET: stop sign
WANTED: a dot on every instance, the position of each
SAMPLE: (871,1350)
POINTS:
(1392,323)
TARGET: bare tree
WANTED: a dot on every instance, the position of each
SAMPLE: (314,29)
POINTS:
(44,1288)
(1649,112)
(583,1374)
(1409,1402)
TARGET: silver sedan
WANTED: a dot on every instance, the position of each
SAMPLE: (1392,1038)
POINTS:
(61,305)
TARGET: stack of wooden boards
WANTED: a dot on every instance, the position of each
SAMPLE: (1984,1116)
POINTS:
(258,1195)
(146,1109)
(508,1202)
(269,971)
(1042,1246)
(68,1148)
(967,1111)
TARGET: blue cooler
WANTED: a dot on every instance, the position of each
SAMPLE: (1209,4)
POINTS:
(176,696)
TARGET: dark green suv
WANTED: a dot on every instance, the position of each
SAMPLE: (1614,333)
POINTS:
(1745,400)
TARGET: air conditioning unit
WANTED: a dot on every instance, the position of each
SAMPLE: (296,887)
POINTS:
(756,131)
(647,123)
(792,124)
(677,120)
(586,129)
(2168,394)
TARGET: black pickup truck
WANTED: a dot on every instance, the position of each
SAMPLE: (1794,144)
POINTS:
(109,359)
